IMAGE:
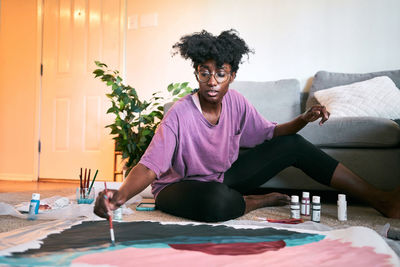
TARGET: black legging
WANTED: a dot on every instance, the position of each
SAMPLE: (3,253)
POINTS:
(213,202)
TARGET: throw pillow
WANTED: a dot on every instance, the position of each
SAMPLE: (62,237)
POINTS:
(377,97)
(325,79)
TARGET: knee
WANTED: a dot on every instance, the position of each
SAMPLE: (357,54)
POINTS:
(222,204)
(294,141)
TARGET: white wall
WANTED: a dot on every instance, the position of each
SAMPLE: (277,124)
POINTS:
(291,39)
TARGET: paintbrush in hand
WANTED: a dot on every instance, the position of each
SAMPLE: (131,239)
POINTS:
(110,220)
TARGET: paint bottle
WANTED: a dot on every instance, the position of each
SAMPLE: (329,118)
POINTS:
(34,206)
(295,207)
(342,207)
(316,209)
(305,204)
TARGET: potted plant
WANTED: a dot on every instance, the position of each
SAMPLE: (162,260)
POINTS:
(135,120)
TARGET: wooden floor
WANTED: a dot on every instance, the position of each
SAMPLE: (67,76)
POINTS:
(22,186)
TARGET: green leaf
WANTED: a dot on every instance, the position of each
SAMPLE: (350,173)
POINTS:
(99,64)
(183,85)
(146,132)
(170,87)
(176,91)
(118,91)
(118,121)
(182,94)
(108,77)
(159,115)
(132,92)
(98,72)
(145,105)
(137,109)
(119,79)
(112,110)
(114,131)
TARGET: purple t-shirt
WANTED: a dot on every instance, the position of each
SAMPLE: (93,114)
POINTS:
(188,147)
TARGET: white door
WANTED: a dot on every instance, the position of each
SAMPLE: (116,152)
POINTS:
(74,105)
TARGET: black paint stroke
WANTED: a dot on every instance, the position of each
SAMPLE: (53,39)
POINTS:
(95,234)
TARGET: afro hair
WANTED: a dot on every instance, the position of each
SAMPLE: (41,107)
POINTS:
(228,47)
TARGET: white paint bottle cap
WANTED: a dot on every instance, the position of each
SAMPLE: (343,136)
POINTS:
(342,198)
(36,196)
(306,194)
(295,199)
(316,199)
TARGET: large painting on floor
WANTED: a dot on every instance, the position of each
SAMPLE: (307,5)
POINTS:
(156,244)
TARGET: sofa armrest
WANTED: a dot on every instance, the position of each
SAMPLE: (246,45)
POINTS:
(353,132)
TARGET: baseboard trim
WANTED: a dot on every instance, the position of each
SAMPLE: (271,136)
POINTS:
(54,180)
(17,177)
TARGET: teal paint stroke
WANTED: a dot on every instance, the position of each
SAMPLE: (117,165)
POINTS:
(295,239)
(292,242)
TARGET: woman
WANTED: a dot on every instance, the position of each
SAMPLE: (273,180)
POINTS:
(193,161)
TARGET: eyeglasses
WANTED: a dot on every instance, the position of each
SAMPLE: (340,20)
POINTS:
(204,76)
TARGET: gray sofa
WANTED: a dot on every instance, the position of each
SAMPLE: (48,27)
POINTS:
(369,146)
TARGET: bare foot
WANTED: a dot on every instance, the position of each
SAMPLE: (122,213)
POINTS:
(259,201)
(389,204)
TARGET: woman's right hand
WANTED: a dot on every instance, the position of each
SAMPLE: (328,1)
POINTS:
(138,179)
(106,203)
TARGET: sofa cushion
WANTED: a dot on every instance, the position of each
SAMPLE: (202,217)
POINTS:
(324,79)
(277,101)
(377,97)
(353,132)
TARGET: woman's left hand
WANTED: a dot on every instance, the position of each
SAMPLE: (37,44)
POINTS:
(316,112)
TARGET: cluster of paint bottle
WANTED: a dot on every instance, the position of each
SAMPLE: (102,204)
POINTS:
(306,208)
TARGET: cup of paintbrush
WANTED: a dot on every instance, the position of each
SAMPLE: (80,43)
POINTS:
(87,196)
(83,194)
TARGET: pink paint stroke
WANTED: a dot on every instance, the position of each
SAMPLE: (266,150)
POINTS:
(324,253)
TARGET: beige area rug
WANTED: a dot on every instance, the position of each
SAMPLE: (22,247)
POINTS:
(357,215)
